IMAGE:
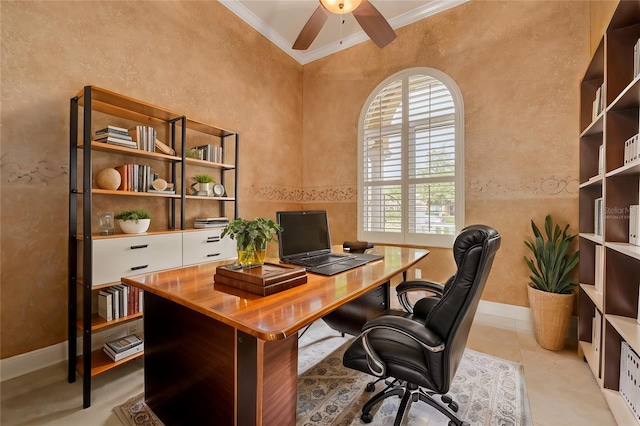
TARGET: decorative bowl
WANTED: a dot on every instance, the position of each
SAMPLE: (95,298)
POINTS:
(133,226)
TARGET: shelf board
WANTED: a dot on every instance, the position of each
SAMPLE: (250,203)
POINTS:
(203,163)
(619,408)
(628,328)
(198,197)
(630,250)
(595,180)
(595,296)
(98,323)
(115,149)
(593,359)
(627,169)
(595,127)
(206,128)
(592,237)
(97,191)
(629,97)
(101,362)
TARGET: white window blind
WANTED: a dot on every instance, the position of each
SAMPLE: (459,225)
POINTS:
(410,162)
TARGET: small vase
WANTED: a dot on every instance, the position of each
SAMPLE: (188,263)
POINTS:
(251,255)
(205,187)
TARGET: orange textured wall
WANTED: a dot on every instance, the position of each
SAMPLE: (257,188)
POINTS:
(194,57)
(518,65)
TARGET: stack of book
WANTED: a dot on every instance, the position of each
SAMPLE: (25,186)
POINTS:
(123,347)
(210,222)
(118,301)
(145,136)
(115,136)
(263,280)
(209,152)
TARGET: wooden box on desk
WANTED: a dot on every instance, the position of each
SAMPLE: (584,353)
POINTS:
(262,280)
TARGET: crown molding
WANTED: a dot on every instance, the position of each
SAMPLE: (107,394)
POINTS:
(429,9)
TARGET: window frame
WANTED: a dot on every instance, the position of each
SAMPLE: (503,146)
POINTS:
(404,237)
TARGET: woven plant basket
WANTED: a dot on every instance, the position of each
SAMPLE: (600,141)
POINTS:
(551,316)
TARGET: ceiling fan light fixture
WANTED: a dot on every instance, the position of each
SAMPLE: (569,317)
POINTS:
(341,6)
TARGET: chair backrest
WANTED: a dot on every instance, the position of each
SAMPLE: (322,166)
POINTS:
(451,318)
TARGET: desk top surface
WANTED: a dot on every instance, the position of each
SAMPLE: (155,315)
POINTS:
(282,314)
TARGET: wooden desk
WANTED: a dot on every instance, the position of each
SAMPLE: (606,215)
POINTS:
(232,359)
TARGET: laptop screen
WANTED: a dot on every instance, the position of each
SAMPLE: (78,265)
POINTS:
(304,233)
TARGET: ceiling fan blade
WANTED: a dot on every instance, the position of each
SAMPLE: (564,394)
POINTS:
(374,24)
(311,29)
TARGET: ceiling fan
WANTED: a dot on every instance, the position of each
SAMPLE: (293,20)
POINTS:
(369,18)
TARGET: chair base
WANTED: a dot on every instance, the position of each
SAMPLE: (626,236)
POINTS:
(409,393)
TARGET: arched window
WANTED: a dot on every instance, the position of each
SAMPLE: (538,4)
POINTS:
(410,160)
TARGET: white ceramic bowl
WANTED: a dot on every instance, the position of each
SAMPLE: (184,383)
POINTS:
(131,227)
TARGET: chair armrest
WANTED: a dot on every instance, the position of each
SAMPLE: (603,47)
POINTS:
(412,329)
(404,288)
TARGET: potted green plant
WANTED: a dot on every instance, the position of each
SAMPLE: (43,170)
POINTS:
(204,183)
(134,221)
(251,238)
(551,289)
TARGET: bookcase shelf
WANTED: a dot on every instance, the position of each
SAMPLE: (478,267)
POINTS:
(611,72)
(97,262)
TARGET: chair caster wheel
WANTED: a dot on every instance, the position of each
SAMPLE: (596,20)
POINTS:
(453,406)
(370,387)
(366,417)
(446,399)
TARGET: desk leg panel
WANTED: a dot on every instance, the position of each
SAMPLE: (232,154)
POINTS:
(189,364)
(267,381)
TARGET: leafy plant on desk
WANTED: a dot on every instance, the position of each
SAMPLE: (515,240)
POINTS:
(134,215)
(251,238)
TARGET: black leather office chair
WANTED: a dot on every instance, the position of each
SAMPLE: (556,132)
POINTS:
(419,351)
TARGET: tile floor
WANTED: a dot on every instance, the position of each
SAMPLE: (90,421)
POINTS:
(560,386)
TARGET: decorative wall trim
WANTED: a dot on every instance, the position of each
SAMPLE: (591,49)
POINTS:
(320,194)
(521,188)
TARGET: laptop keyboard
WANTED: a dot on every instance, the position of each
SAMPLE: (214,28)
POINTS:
(324,259)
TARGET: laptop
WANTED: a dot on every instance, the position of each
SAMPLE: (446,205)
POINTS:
(305,241)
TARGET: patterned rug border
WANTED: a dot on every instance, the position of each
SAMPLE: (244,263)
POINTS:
(339,402)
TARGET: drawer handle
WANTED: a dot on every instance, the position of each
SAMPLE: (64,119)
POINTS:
(135,268)
(213,239)
(213,255)
(139,246)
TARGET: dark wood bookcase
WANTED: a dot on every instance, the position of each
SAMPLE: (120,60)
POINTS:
(611,67)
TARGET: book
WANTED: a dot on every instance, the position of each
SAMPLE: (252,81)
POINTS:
(164,148)
(112,129)
(599,268)
(266,274)
(117,141)
(263,290)
(597,216)
(633,225)
(116,305)
(105,307)
(121,344)
(117,356)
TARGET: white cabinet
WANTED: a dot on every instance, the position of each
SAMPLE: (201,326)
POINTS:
(120,257)
(206,246)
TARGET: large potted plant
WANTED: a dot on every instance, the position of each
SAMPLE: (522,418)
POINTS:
(251,238)
(551,289)
(134,221)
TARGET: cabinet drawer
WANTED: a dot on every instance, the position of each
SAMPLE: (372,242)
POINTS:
(206,246)
(121,257)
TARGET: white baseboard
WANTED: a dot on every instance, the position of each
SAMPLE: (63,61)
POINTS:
(35,360)
(28,362)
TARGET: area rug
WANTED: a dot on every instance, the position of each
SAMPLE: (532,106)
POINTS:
(489,391)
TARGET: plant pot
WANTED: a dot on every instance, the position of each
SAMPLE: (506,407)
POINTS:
(251,255)
(551,317)
(133,226)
